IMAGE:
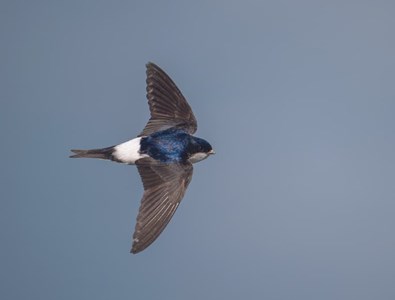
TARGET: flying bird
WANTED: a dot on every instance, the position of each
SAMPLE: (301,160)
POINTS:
(163,153)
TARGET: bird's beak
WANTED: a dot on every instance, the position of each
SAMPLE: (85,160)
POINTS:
(211,152)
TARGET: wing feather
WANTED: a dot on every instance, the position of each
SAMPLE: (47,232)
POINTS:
(167,105)
(164,188)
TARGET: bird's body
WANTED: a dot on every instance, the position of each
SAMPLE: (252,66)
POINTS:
(163,152)
(173,146)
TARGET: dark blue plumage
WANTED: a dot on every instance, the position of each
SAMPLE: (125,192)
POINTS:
(173,145)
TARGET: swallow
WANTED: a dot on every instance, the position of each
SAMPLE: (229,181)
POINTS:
(163,153)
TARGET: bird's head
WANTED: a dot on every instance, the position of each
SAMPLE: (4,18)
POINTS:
(199,149)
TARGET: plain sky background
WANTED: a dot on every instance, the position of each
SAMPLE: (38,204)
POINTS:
(296,97)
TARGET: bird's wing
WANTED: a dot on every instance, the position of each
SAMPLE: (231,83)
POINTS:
(167,105)
(164,188)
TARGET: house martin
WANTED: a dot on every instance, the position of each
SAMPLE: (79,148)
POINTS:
(163,153)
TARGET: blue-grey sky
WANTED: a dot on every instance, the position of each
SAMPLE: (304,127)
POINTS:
(298,100)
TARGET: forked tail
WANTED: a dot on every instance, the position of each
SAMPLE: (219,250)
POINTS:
(104,153)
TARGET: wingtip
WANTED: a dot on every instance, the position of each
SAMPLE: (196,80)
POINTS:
(150,64)
(135,250)
(154,66)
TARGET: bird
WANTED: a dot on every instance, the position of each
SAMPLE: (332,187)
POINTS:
(163,153)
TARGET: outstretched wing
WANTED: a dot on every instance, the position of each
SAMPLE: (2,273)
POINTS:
(164,188)
(167,105)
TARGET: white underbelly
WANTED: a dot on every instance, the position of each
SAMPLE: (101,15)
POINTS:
(129,151)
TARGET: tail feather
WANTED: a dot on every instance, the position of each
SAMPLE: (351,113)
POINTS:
(104,153)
